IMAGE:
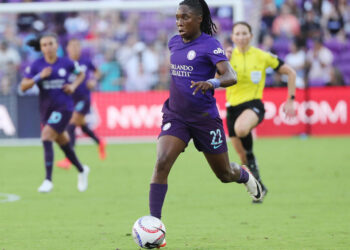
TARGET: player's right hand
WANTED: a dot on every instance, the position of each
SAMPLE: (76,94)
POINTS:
(46,72)
(201,85)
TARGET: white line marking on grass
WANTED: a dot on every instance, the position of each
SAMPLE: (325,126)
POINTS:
(8,197)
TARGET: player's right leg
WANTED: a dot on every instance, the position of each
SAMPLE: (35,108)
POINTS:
(168,149)
(48,135)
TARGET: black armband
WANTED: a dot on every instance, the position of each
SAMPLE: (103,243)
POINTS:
(280,63)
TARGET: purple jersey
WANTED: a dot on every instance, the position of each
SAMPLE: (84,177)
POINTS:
(192,61)
(87,67)
(52,95)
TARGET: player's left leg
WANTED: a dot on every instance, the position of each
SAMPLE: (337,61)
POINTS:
(63,141)
(209,137)
(101,143)
(82,108)
(232,172)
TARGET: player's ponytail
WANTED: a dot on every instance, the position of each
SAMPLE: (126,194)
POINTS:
(201,7)
(35,42)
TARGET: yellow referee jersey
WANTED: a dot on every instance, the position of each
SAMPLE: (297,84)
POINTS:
(250,67)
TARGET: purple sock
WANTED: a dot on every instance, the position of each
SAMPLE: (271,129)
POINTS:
(244,177)
(48,156)
(70,154)
(90,133)
(156,198)
(71,132)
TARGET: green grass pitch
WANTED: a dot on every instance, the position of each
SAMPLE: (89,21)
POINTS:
(307,207)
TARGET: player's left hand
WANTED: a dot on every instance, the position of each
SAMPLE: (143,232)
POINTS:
(203,86)
(91,84)
(288,108)
(68,89)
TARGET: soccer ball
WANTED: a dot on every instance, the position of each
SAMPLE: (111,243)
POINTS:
(148,232)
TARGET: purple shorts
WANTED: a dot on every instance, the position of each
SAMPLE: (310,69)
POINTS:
(208,136)
(57,119)
(82,105)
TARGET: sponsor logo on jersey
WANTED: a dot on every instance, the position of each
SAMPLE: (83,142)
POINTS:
(53,84)
(181,70)
(219,51)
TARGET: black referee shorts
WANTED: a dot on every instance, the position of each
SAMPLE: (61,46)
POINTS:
(234,111)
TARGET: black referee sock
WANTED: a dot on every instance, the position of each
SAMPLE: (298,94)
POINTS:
(247,142)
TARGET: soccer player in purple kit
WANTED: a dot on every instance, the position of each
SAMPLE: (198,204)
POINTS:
(50,73)
(190,111)
(82,100)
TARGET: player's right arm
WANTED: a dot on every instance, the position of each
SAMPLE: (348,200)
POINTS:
(28,81)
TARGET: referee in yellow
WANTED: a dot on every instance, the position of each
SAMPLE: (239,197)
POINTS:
(245,109)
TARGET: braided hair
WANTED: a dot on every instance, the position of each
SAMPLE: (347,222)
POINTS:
(35,42)
(201,8)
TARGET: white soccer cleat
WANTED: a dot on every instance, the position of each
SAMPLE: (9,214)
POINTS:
(83,179)
(46,186)
(253,187)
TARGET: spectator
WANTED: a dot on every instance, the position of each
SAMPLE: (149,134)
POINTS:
(310,24)
(141,69)
(296,59)
(286,23)
(319,63)
(110,73)
(335,22)
(9,65)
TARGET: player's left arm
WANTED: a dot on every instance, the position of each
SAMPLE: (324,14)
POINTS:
(288,108)
(70,88)
(225,77)
(92,82)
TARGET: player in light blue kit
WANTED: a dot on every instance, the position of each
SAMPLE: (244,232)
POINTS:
(50,73)
(82,101)
(190,111)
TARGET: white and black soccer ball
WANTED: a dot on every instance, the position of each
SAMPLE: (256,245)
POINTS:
(148,232)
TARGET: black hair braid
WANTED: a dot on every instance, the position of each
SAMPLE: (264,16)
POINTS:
(201,7)
(35,42)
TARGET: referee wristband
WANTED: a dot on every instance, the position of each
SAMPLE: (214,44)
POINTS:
(36,78)
(215,82)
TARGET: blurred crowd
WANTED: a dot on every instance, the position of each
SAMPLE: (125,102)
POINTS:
(313,36)
(130,48)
